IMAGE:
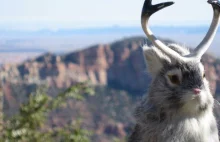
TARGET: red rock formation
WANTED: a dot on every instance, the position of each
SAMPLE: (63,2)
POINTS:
(120,65)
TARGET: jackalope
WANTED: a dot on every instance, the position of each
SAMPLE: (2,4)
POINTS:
(179,105)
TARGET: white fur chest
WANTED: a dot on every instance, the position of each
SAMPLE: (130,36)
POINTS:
(201,129)
(188,129)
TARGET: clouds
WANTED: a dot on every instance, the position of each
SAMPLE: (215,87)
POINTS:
(57,14)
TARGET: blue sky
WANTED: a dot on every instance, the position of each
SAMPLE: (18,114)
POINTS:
(65,14)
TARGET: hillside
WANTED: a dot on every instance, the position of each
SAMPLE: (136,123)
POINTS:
(111,67)
(119,65)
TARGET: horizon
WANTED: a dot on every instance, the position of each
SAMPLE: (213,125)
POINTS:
(109,29)
(14,54)
(8,27)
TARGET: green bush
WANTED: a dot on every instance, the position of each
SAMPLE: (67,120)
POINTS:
(30,123)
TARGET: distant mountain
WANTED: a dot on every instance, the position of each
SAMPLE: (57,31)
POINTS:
(110,67)
(66,40)
(106,30)
(117,65)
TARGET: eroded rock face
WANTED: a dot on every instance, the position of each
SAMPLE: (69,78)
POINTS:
(120,65)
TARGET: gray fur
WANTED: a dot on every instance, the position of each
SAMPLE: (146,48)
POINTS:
(169,113)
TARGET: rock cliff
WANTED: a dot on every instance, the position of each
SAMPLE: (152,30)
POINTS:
(119,65)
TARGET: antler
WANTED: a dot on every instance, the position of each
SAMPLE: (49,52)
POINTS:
(149,9)
(206,42)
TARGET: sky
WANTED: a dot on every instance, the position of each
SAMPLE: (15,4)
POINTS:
(72,14)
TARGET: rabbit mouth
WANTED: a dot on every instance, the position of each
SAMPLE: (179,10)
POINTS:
(202,102)
(194,107)
(199,99)
(196,102)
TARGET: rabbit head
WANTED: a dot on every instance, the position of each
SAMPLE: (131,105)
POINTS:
(177,85)
(179,81)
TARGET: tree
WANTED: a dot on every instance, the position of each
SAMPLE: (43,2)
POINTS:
(29,123)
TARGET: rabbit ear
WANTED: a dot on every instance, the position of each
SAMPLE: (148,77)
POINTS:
(155,59)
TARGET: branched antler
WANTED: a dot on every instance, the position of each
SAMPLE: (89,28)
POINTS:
(149,9)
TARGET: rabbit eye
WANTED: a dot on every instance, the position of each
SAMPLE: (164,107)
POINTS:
(174,79)
(204,75)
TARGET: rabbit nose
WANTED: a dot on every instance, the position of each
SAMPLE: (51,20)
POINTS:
(196,91)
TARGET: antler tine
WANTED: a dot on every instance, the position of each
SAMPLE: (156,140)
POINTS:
(147,11)
(206,42)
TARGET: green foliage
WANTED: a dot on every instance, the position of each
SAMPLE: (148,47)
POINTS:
(115,139)
(68,134)
(30,123)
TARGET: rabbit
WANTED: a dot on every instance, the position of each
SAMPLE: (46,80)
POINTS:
(179,105)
